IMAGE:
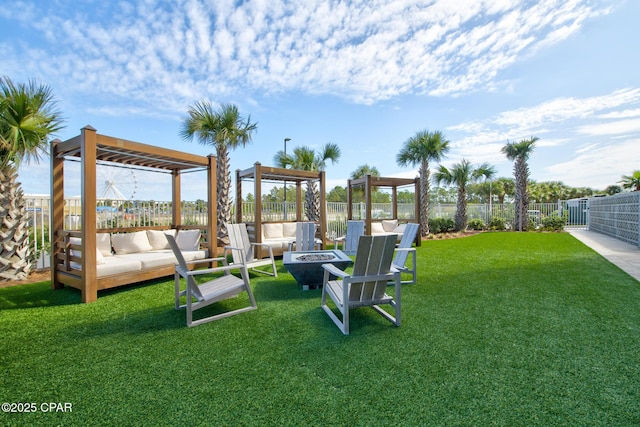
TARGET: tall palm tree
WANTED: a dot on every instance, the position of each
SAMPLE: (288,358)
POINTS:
(631,182)
(28,116)
(305,158)
(223,129)
(520,152)
(460,175)
(420,149)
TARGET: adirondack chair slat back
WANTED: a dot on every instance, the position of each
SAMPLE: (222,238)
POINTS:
(195,290)
(239,238)
(373,258)
(355,229)
(305,236)
(408,237)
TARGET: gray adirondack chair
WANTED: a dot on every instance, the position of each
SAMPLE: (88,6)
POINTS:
(403,250)
(305,237)
(355,229)
(366,285)
(243,250)
(199,295)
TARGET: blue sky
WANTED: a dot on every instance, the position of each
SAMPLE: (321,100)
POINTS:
(363,75)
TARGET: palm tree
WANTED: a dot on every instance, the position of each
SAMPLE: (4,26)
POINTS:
(223,129)
(631,181)
(360,172)
(364,170)
(420,149)
(28,116)
(503,187)
(305,158)
(520,152)
(460,175)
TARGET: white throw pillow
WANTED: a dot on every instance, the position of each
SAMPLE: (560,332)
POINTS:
(99,257)
(289,229)
(272,231)
(376,228)
(188,240)
(103,243)
(130,243)
(76,253)
(158,238)
(389,224)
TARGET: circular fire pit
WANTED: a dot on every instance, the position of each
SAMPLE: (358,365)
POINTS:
(315,257)
(306,267)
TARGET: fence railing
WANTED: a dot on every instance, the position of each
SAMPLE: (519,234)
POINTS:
(130,214)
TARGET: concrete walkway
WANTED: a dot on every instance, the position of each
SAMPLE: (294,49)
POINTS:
(622,254)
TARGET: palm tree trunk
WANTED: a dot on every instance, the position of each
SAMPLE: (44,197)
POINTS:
(312,202)
(223,186)
(521,197)
(15,260)
(461,209)
(424,198)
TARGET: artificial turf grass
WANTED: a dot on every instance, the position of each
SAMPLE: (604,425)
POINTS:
(501,329)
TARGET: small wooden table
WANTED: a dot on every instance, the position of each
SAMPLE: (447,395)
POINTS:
(306,266)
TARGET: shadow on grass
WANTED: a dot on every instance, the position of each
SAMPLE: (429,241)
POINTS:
(35,295)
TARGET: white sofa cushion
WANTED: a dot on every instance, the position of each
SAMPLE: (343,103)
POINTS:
(153,259)
(400,229)
(272,231)
(129,243)
(103,244)
(376,228)
(158,238)
(188,240)
(389,225)
(289,229)
(117,265)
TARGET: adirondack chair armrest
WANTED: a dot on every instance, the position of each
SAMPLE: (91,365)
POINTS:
(266,245)
(406,249)
(225,269)
(206,260)
(332,269)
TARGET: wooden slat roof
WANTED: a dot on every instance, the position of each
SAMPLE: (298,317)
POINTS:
(122,151)
(279,174)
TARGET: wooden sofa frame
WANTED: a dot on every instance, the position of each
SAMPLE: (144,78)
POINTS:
(92,148)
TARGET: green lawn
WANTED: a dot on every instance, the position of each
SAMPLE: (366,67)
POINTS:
(501,329)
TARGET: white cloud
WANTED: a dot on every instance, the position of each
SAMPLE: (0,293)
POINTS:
(598,166)
(358,51)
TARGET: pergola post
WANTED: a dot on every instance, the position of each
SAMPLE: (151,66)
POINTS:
(175,199)
(56,207)
(88,191)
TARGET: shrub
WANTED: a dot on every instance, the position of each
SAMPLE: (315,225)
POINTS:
(553,222)
(476,224)
(441,225)
(497,223)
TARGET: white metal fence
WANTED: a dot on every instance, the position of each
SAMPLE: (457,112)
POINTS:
(136,213)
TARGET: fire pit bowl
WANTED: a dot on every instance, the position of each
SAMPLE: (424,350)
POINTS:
(306,267)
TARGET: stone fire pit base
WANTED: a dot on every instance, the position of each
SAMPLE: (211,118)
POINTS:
(306,267)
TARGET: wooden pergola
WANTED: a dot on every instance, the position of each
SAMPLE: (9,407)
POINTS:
(90,148)
(368,182)
(259,173)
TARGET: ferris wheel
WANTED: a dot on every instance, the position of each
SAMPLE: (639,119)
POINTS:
(116,183)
